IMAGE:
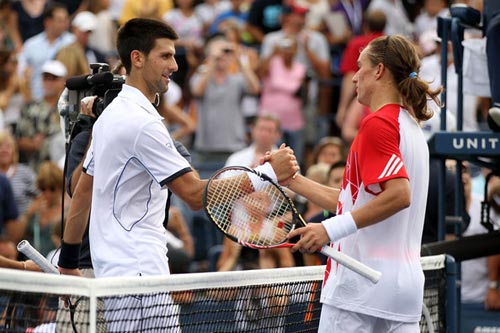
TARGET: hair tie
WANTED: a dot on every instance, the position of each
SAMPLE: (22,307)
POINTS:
(412,75)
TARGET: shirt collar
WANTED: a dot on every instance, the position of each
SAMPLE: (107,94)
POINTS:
(138,97)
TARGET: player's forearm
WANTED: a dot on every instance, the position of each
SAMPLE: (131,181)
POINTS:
(190,189)
(76,225)
(394,198)
(75,177)
(324,196)
(79,211)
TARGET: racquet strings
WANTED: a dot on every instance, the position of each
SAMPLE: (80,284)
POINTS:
(254,218)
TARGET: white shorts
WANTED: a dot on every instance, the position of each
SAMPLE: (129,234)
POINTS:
(146,313)
(337,320)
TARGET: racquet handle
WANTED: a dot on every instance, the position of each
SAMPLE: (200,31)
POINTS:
(352,264)
(29,251)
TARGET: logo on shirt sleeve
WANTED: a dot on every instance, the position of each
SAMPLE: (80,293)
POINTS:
(392,167)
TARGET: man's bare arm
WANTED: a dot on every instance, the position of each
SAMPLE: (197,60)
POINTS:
(75,226)
(79,211)
(324,196)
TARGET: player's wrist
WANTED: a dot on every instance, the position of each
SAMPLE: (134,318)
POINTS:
(69,256)
(340,226)
(266,169)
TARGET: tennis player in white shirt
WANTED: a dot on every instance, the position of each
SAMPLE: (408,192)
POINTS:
(129,168)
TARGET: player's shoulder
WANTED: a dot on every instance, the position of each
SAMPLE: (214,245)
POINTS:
(384,122)
(387,114)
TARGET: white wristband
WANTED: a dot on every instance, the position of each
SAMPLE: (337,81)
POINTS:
(265,168)
(340,226)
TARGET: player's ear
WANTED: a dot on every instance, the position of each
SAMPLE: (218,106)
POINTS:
(380,69)
(137,58)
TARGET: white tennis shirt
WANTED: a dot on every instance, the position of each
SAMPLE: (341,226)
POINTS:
(390,144)
(132,157)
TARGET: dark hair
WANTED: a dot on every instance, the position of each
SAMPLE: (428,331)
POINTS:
(141,34)
(5,4)
(400,57)
(337,165)
(375,20)
(51,7)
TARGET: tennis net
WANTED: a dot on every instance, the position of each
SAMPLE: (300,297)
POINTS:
(274,300)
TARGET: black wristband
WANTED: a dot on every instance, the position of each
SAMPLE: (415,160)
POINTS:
(69,256)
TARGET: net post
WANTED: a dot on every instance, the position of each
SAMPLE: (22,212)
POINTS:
(452,290)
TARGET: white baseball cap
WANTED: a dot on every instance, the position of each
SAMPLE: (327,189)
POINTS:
(54,67)
(85,21)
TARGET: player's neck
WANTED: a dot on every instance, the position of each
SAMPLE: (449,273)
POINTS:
(141,86)
(390,97)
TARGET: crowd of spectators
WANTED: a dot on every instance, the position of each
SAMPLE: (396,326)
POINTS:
(289,61)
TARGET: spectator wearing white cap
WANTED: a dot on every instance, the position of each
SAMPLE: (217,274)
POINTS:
(38,132)
(78,55)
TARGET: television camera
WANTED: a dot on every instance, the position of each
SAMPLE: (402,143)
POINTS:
(101,83)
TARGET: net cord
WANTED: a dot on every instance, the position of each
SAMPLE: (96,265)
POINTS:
(78,286)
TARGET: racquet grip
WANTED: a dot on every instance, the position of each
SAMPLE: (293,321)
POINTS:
(29,251)
(352,264)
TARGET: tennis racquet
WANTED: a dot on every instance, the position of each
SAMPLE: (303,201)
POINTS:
(261,217)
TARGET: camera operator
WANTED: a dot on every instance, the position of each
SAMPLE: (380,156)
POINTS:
(75,155)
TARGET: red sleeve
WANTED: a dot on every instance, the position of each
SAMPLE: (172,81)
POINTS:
(379,154)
